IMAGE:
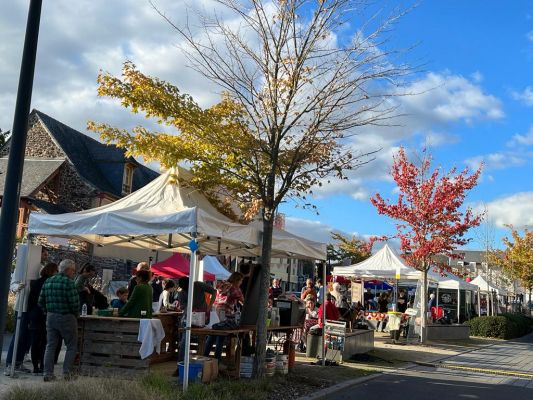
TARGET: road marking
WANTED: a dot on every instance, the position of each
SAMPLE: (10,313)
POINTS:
(485,370)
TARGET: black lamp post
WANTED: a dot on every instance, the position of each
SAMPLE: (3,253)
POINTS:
(15,163)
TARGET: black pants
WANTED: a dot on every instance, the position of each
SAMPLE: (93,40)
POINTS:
(38,346)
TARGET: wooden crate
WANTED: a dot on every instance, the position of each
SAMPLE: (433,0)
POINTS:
(109,347)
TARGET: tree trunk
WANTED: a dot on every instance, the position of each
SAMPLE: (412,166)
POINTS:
(423,305)
(266,252)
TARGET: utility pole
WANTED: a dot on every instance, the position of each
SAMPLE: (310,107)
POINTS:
(15,163)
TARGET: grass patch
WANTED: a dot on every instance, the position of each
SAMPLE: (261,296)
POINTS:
(303,379)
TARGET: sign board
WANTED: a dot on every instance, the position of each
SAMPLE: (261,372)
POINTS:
(357,292)
(335,332)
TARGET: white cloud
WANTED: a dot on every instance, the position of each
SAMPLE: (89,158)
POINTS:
(496,161)
(515,209)
(522,140)
(312,230)
(525,96)
(529,36)
(77,39)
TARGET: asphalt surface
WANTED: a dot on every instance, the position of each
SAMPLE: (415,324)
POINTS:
(502,371)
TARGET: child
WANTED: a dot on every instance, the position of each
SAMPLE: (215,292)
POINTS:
(122,294)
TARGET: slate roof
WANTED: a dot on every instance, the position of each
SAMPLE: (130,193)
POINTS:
(99,164)
(35,173)
(47,207)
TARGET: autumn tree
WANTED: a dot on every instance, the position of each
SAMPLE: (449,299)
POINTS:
(517,257)
(429,210)
(352,248)
(294,93)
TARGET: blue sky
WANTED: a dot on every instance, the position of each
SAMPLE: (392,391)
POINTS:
(489,45)
(476,101)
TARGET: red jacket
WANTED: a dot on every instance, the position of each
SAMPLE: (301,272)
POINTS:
(331,312)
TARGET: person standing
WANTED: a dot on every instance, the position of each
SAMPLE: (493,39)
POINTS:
(228,297)
(60,301)
(199,304)
(276,288)
(308,291)
(383,304)
(37,318)
(139,304)
(133,280)
(401,302)
(320,292)
(82,282)
(157,289)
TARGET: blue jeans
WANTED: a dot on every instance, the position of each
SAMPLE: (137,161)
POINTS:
(24,340)
(209,345)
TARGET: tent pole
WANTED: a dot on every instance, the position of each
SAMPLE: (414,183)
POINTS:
(324,297)
(190,295)
(478,302)
(458,306)
(437,299)
(23,304)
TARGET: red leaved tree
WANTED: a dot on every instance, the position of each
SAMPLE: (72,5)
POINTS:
(428,207)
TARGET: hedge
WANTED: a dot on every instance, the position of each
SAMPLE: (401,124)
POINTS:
(504,326)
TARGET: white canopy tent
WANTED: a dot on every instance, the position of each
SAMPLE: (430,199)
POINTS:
(384,264)
(169,214)
(212,265)
(387,265)
(484,286)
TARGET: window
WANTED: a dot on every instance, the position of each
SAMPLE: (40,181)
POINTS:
(127,180)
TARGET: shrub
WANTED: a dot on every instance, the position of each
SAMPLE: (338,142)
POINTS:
(504,326)
(10,318)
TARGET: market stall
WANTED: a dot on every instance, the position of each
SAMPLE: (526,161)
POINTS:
(168,214)
(112,346)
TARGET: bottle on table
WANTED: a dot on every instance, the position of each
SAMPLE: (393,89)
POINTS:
(84,310)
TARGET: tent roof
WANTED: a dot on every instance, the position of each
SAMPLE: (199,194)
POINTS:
(385,263)
(162,214)
(483,285)
(212,265)
(177,266)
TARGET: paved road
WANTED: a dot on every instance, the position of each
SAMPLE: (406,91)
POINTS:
(426,383)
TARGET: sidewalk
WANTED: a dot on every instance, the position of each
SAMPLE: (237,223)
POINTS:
(22,379)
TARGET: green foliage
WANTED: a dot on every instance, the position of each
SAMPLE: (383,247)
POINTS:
(10,319)
(505,326)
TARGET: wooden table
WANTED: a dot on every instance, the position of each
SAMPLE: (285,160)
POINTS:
(235,336)
(109,346)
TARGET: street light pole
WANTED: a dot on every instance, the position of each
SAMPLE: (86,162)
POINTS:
(15,163)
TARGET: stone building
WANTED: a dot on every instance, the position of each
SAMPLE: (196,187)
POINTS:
(66,171)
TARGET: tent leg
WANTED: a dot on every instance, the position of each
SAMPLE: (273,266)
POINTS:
(458,306)
(190,296)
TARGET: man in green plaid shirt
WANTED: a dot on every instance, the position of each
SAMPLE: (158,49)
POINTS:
(60,301)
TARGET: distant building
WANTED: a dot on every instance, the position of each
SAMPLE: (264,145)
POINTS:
(66,171)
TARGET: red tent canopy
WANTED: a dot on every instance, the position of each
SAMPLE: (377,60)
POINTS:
(177,266)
